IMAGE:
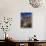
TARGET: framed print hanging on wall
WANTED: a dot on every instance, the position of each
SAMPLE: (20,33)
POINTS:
(26,19)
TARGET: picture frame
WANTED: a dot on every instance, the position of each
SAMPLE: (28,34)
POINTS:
(26,20)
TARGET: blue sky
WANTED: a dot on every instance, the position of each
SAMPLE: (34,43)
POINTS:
(26,14)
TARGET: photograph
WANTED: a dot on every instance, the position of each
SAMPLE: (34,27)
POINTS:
(26,20)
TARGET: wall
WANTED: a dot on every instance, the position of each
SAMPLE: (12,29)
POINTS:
(12,8)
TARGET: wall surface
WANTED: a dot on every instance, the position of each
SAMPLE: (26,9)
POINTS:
(13,8)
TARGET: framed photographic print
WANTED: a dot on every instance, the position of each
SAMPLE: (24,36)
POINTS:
(26,19)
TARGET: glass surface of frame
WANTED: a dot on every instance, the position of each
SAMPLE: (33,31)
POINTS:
(26,20)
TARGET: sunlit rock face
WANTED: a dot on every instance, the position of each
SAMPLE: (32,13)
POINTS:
(35,3)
